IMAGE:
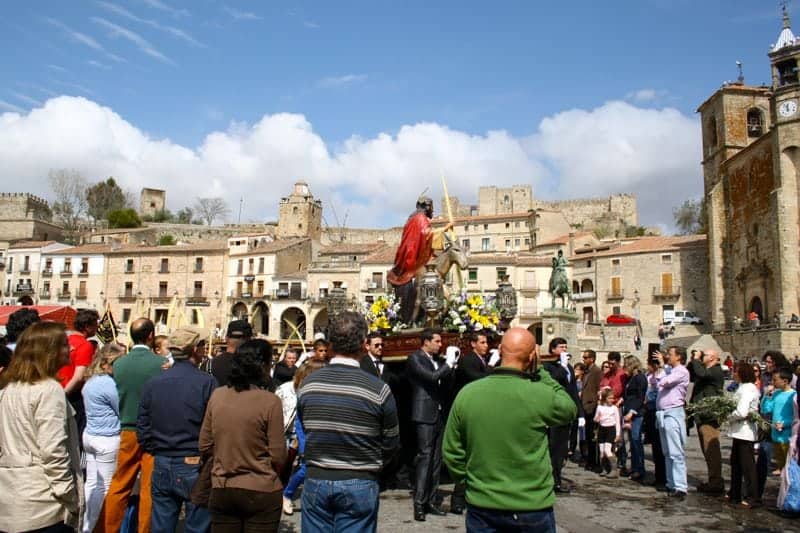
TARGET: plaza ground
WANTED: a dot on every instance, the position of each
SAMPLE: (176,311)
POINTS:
(601,505)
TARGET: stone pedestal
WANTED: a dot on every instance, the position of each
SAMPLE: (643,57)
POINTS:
(560,323)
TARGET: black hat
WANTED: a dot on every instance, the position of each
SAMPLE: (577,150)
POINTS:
(238,329)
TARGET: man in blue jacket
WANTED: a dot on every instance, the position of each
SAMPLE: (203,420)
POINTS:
(171,412)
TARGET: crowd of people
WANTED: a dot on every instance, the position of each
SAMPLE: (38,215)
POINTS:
(112,438)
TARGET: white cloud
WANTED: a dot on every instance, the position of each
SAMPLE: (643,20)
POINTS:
(172,30)
(98,64)
(578,153)
(25,98)
(332,82)
(238,14)
(57,68)
(646,95)
(142,43)
(6,106)
(161,6)
(310,24)
(83,39)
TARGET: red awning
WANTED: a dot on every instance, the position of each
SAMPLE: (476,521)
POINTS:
(55,313)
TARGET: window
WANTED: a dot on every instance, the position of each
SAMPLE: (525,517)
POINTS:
(616,287)
(465,244)
(198,264)
(82,289)
(10,266)
(67,265)
(755,122)
(377,280)
(666,283)
(485,244)
(616,310)
(516,243)
(472,275)
(239,285)
(486,227)
(260,265)
(787,72)
(508,244)
(527,242)
(251,265)
(198,289)
(466,227)
(128,290)
(615,266)
(162,289)
(26,264)
(666,259)
(589,263)
(195,317)
(48,265)
(501,271)
(516,224)
(508,225)
(240,266)
(711,133)
(84,265)
(260,288)
(126,314)
(46,289)
(65,288)
(128,266)
(164,265)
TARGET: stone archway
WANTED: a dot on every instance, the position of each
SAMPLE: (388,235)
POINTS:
(587,287)
(757,307)
(321,321)
(297,317)
(260,318)
(239,311)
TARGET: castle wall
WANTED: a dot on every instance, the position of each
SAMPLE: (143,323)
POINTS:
(616,211)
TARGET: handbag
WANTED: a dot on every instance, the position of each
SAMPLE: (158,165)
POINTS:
(790,487)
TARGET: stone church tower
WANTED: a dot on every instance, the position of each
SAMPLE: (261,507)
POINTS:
(751,156)
(299,214)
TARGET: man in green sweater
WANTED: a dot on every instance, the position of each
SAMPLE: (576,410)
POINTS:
(502,453)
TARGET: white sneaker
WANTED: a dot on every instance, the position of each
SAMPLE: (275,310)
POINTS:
(288,508)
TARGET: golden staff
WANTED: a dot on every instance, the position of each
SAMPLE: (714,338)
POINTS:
(113,327)
(453,229)
(295,331)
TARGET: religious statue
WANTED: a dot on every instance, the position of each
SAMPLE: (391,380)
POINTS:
(559,283)
(415,250)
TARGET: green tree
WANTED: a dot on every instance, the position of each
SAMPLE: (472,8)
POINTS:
(184,216)
(690,217)
(167,240)
(124,218)
(104,197)
(164,215)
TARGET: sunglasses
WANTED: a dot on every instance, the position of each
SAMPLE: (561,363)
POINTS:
(379,345)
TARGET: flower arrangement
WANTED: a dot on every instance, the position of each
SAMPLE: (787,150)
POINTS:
(470,312)
(383,314)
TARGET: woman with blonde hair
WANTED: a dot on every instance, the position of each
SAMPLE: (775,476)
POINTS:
(101,436)
(39,454)
(633,406)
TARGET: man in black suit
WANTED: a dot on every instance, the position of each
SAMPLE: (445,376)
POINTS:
(428,376)
(371,363)
(471,367)
(559,435)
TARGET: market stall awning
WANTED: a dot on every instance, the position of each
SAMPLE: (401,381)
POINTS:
(55,313)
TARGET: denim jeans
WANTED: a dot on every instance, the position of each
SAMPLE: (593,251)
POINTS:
(346,505)
(672,430)
(171,483)
(637,445)
(297,478)
(480,520)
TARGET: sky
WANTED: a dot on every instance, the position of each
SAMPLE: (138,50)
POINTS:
(371,102)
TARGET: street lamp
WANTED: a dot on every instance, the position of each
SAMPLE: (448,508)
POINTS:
(506,299)
(636,302)
(432,293)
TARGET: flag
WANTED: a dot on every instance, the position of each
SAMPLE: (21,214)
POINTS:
(107,329)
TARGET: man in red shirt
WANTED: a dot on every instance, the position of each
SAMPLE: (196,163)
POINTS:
(81,353)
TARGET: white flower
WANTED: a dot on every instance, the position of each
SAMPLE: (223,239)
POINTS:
(462,329)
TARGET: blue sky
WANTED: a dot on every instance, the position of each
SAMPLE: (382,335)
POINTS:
(343,75)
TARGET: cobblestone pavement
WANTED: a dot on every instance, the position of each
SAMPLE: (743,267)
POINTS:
(600,505)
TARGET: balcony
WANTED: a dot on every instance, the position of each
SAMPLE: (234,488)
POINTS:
(65,273)
(83,274)
(583,296)
(44,294)
(25,271)
(81,295)
(64,295)
(612,294)
(198,270)
(667,292)
(47,273)
(374,286)
(127,295)
(286,294)
(163,270)
(129,270)
(23,289)
(161,297)
(2,264)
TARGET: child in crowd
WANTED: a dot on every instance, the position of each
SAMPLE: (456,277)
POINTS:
(161,347)
(608,431)
(580,372)
(778,404)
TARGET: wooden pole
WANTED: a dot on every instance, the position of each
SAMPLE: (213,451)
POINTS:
(453,229)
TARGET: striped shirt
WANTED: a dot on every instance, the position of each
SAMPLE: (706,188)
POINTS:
(350,419)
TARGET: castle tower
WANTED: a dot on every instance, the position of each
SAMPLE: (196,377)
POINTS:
(785,62)
(152,202)
(299,214)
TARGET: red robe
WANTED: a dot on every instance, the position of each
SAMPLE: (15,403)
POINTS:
(414,251)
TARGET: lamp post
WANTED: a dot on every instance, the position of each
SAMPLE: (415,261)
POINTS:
(636,303)
(506,299)
(432,294)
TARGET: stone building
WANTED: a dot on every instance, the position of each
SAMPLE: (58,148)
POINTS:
(74,276)
(644,278)
(751,156)
(27,217)
(300,214)
(509,232)
(152,202)
(188,280)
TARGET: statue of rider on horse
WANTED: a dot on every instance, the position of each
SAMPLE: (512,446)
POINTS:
(559,282)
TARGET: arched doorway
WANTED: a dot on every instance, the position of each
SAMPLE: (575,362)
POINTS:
(757,307)
(239,311)
(260,319)
(321,321)
(575,287)
(295,316)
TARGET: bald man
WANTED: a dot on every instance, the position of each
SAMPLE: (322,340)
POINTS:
(508,473)
(706,373)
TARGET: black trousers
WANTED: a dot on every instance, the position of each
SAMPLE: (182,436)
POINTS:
(743,465)
(592,458)
(559,445)
(237,510)
(428,462)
